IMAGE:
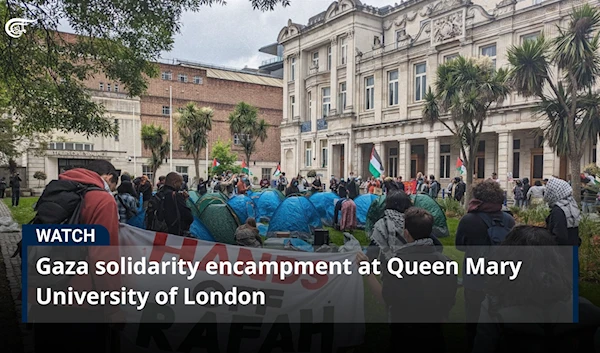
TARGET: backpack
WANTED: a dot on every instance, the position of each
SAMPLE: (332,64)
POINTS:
(156,215)
(129,212)
(497,229)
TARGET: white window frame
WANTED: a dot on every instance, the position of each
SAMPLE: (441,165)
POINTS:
(343,51)
(293,69)
(237,141)
(308,153)
(342,99)
(116,87)
(182,169)
(532,36)
(329,58)
(265,173)
(393,88)
(492,57)
(166,110)
(147,171)
(450,57)
(420,82)
(293,106)
(167,75)
(108,87)
(198,80)
(315,59)
(324,155)
(101,86)
(310,103)
(116,121)
(326,101)
(182,78)
(445,162)
(369,93)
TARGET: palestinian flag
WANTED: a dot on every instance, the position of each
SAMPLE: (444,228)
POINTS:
(245,169)
(460,166)
(375,165)
(215,163)
(277,170)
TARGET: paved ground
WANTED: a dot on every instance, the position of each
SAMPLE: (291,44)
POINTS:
(14,337)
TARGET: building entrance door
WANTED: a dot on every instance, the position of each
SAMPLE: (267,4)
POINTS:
(537,164)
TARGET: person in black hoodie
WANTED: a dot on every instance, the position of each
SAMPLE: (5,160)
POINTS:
(526,188)
(471,235)
(173,209)
(563,221)
(352,187)
(418,305)
(202,186)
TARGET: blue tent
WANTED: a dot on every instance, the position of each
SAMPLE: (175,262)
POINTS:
(199,231)
(243,206)
(363,202)
(324,202)
(267,202)
(296,215)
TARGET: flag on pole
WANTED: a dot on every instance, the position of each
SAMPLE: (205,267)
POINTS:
(277,170)
(245,169)
(460,166)
(216,163)
(375,165)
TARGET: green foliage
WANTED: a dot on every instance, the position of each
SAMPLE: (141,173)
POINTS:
(23,213)
(12,166)
(39,175)
(535,216)
(570,100)
(451,207)
(589,251)
(464,90)
(153,138)
(244,122)
(227,159)
(43,72)
(193,126)
(592,169)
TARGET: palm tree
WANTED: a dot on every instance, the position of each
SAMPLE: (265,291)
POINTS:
(465,90)
(193,125)
(569,101)
(244,122)
(153,138)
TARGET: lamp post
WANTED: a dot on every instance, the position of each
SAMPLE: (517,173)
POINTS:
(170,128)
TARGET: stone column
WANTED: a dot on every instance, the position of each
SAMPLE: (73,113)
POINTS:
(351,72)
(378,78)
(286,94)
(333,77)
(359,170)
(504,165)
(433,157)
(404,159)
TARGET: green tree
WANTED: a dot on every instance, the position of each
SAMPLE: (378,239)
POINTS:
(43,71)
(153,138)
(465,90)
(193,125)
(227,159)
(569,100)
(244,122)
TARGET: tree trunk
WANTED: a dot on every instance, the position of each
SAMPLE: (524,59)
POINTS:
(575,178)
(196,157)
(470,170)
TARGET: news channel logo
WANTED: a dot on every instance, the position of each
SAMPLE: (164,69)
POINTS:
(15,27)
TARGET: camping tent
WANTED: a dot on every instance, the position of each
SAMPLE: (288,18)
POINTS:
(363,202)
(296,215)
(266,203)
(440,227)
(221,222)
(207,200)
(199,231)
(324,202)
(243,206)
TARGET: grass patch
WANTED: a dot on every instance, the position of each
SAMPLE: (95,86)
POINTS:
(23,213)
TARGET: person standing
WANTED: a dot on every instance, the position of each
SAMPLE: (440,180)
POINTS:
(317,186)
(202,189)
(519,196)
(484,225)
(2,187)
(145,189)
(167,210)
(535,195)
(563,221)
(434,187)
(15,184)
(127,203)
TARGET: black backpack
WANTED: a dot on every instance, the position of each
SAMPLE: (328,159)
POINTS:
(156,213)
(60,203)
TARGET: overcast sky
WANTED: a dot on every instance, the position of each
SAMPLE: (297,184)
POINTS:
(230,35)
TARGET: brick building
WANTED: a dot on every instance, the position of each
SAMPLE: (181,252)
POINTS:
(205,85)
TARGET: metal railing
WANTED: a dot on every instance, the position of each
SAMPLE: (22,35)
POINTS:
(272,60)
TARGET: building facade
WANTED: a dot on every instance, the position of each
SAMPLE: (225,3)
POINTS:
(356,76)
(178,84)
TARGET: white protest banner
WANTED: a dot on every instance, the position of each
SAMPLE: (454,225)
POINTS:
(315,313)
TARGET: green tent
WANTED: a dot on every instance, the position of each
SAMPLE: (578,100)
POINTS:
(440,227)
(221,221)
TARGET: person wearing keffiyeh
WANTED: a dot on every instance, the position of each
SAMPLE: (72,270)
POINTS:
(563,221)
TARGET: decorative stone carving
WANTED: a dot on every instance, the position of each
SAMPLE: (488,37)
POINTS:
(334,40)
(402,39)
(448,27)
(504,7)
(351,33)
(377,43)
(358,52)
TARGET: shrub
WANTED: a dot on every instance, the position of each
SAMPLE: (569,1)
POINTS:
(311,173)
(589,251)
(39,175)
(534,216)
(451,207)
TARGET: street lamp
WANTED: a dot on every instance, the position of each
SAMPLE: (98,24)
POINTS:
(170,128)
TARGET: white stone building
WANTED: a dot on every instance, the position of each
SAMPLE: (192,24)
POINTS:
(67,151)
(356,76)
